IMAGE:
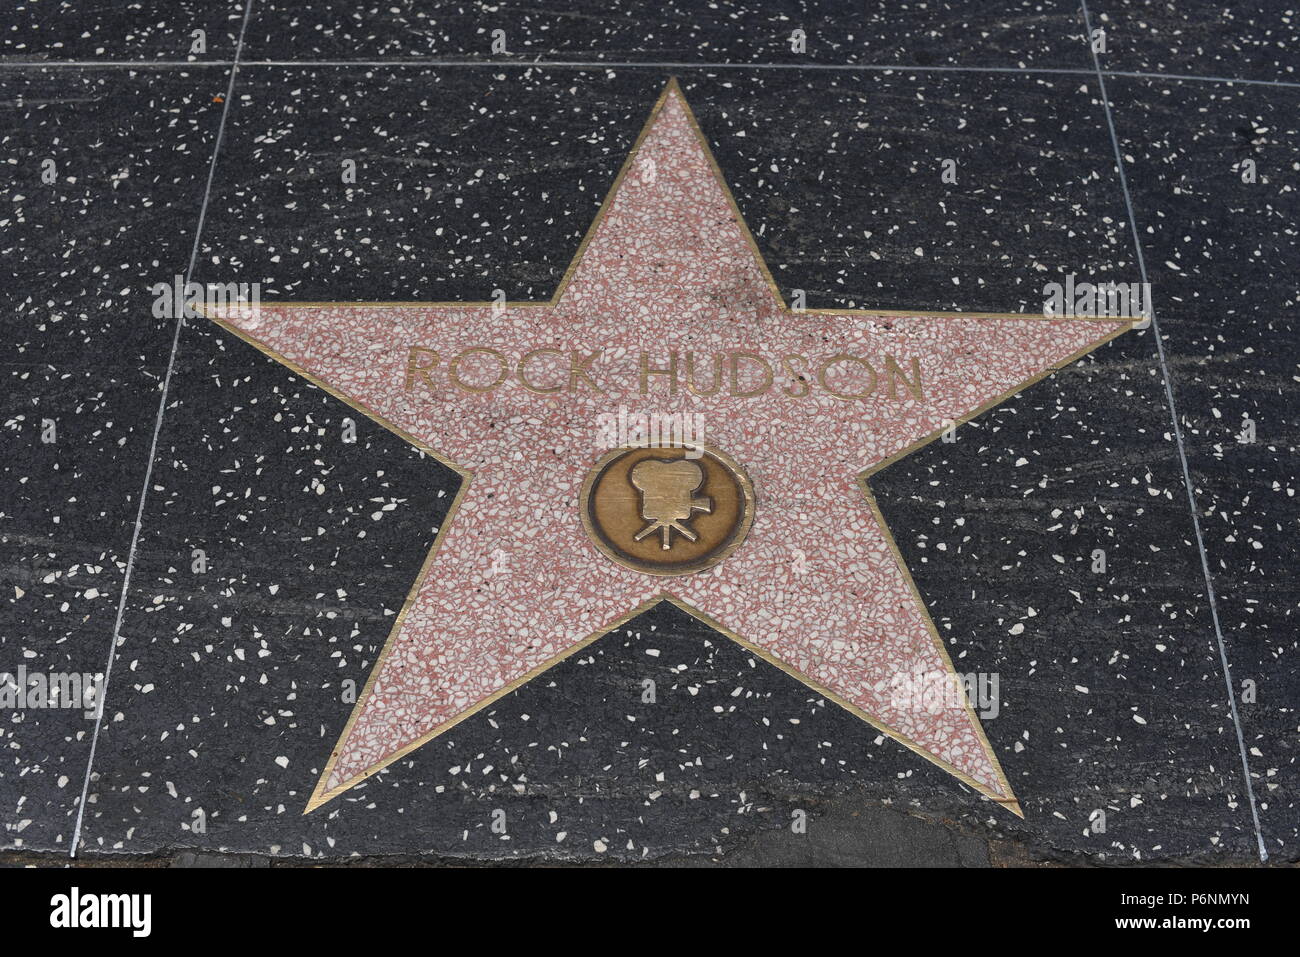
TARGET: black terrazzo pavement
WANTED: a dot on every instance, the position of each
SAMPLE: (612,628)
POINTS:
(81,351)
(227,689)
(1223,253)
(935,32)
(111,30)
(1249,41)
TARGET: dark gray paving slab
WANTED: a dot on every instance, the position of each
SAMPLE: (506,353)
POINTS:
(448,203)
(848,834)
(842,181)
(82,366)
(1253,41)
(1112,694)
(108,30)
(999,33)
(1213,172)
(128,153)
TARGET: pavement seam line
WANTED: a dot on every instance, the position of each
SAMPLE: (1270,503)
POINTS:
(153,447)
(1178,439)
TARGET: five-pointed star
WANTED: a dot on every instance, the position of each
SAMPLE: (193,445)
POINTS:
(514,584)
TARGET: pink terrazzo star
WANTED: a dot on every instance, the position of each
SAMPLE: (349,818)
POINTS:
(515,585)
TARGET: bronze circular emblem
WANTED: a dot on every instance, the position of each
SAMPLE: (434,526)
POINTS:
(667,511)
